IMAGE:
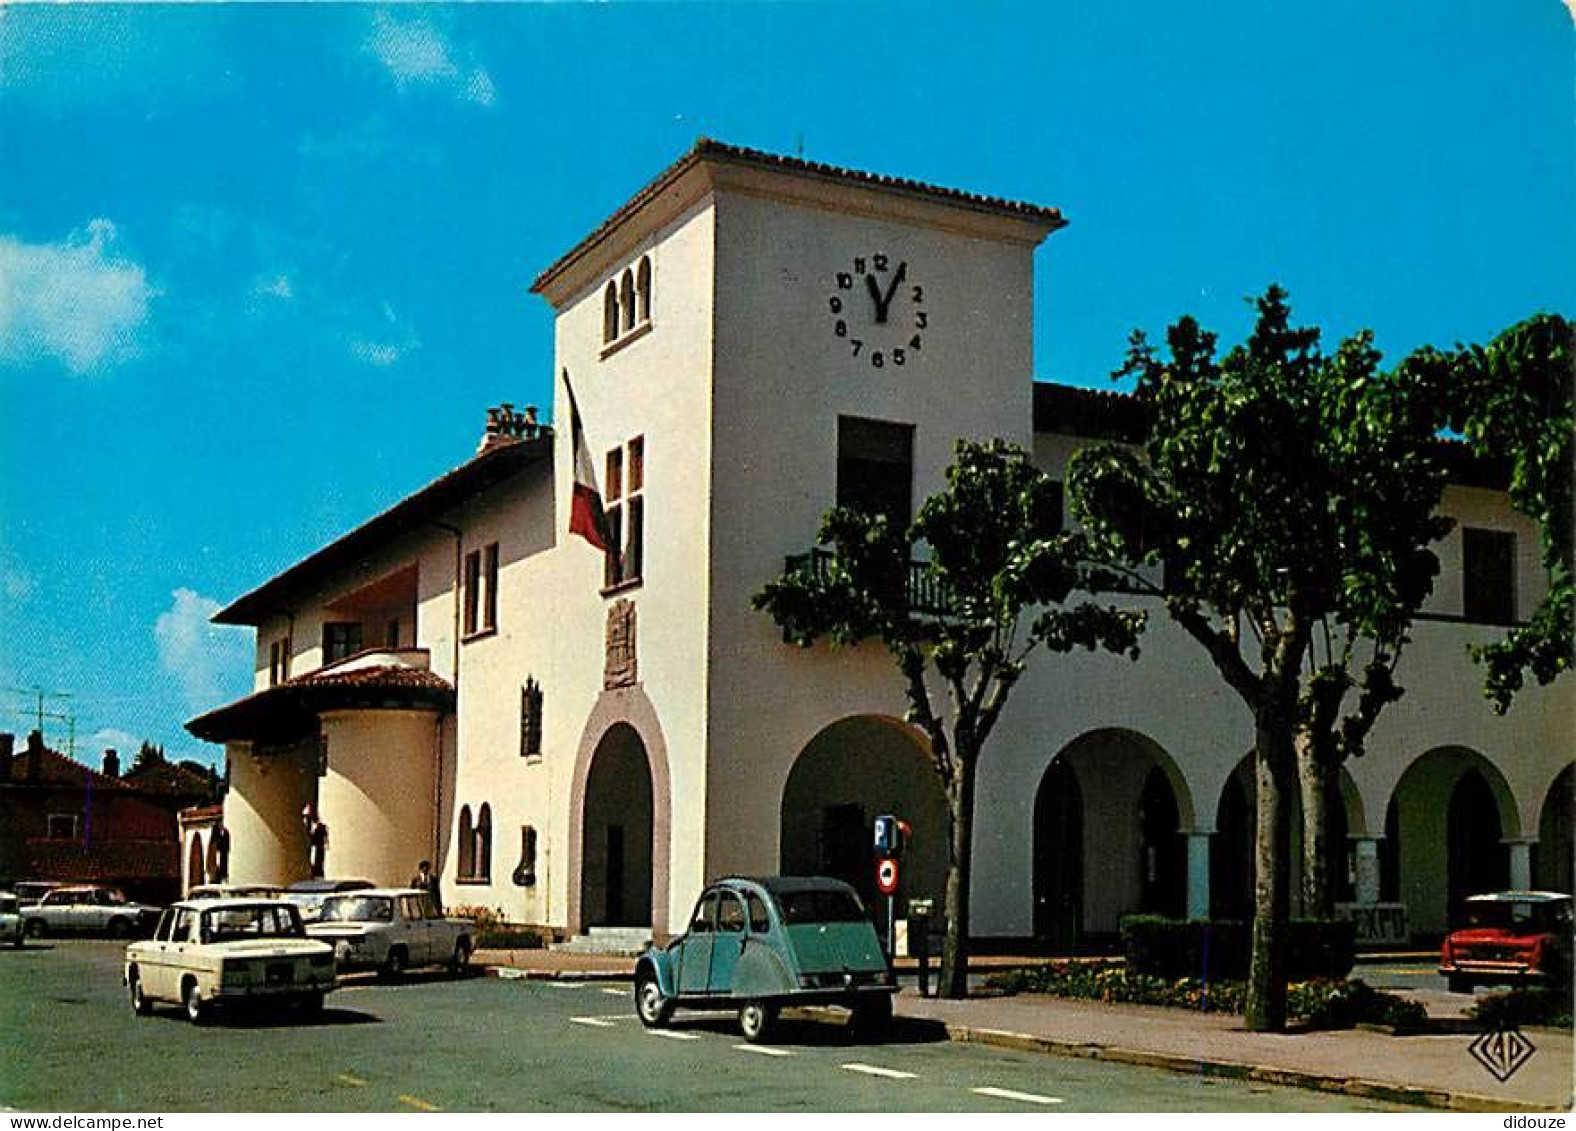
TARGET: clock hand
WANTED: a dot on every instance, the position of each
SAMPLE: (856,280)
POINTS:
(875,297)
(897,277)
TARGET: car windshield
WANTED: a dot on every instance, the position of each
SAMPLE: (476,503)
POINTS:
(1517,916)
(357,909)
(823,906)
(252,921)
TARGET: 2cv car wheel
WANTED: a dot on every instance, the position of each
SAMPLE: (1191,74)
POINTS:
(756,1019)
(651,1005)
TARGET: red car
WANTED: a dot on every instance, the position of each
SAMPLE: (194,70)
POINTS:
(1513,937)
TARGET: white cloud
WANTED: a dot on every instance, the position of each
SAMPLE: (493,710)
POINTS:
(198,654)
(278,286)
(109,738)
(415,52)
(388,345)
(78,300)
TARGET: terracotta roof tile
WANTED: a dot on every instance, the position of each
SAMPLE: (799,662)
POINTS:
(103,860)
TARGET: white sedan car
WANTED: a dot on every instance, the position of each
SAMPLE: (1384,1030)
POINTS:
(10,919)
(391,930)
(211,952)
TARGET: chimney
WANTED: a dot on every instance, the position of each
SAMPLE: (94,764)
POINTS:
(7,747)
(111,764)
(35,755)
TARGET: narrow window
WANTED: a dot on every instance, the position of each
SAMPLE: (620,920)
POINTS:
(530,719)
(481,854)
(613,562)
(610,312)
(875,467)
(643,290)
(473,582)
(626,301)
(525,874)
(391,633)
(341,639)
(490,587)
(1488,575)
(467,869)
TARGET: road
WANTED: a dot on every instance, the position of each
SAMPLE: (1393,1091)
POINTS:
(433,1042)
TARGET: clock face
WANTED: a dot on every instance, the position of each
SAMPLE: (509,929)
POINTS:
(877,311)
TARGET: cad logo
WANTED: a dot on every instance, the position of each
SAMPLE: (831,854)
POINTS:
(1502,1052)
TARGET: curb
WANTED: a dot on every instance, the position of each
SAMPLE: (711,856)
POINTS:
(1234,1070)
(521,974)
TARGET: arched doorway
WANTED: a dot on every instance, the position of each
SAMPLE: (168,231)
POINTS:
(1058,860)
(196,875)
(1231,851)
(1556,845)
(1108,841)
(1449,816)
(617,831)
(847,775)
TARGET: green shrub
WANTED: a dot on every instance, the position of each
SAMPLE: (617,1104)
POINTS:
(1220,949)
(1324,1003)
(1514,1008)
(494,932)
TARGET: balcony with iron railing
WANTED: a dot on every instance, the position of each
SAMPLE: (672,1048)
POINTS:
(924,593)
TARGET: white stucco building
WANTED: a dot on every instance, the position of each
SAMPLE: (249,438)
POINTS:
(580,739)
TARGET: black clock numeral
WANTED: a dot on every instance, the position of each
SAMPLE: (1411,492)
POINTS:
(837,305)
(881,262)
(859,266)
(899,357)
(845,281)
(876,359)
(919,294)
(921,319)
(841,329)
(913,343)
(857,345)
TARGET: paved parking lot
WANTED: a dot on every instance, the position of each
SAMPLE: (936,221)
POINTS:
(491,1044)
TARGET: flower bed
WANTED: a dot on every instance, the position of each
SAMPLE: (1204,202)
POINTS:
(1323,1003)
(493,932)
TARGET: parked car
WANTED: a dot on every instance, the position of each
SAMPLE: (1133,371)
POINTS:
(235,891)
(31,891)
(756,945)
(391,930)
(1511,937)
(219,952)
(308,895)
(88,909)
(10,919)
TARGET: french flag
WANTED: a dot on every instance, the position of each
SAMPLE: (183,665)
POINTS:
(586,516)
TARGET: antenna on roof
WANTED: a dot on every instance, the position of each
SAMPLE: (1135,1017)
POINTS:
(799,145)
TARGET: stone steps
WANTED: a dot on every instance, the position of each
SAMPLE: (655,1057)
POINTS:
(608,940)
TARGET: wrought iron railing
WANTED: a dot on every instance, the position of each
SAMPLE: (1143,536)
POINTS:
(924,593)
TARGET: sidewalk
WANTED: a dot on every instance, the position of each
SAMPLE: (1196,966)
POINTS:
(1433,1069)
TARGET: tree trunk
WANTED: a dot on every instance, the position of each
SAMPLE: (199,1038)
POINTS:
(954,978)
(1318,780)
(1276,774)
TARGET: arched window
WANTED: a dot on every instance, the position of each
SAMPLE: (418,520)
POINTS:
(643,290)
(481,852)
(610,312)
(626,300)
(467,868)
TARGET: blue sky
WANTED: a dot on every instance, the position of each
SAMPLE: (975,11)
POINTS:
(262,268)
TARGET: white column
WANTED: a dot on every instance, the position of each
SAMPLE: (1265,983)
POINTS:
(1366,881)
(1520,864)
(1198,874)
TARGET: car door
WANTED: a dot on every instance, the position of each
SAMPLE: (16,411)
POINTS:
(695,949)
(176,956)
(418,932)
(154,967)
(727,943)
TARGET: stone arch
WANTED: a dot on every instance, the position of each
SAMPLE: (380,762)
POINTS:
(1449,815)
(1134,808)
(1556,848)
(632,709)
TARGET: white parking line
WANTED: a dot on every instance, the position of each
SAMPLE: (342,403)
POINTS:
(1022,1097)
(876,1070)
(508,974)
(569,985)
(614,992)
(672,1035)
(594,1022)
(764,1050)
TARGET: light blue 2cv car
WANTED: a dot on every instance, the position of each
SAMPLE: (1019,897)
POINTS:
(756,945)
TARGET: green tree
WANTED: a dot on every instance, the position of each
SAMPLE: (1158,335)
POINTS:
(1512,401)
(148,754)
(1290,497)
(998,578)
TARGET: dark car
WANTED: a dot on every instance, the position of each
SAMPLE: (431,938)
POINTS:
(1511,937)
(756,945)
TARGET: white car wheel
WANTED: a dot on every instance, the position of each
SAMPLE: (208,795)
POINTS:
(196,1008)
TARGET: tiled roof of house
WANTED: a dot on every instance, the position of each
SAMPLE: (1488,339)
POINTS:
(166,777)
(706,149)
(201,812)
(288,711)
(491,466)
(56,769)
(72,861)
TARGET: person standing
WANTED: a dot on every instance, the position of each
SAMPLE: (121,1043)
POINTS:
(426,880)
